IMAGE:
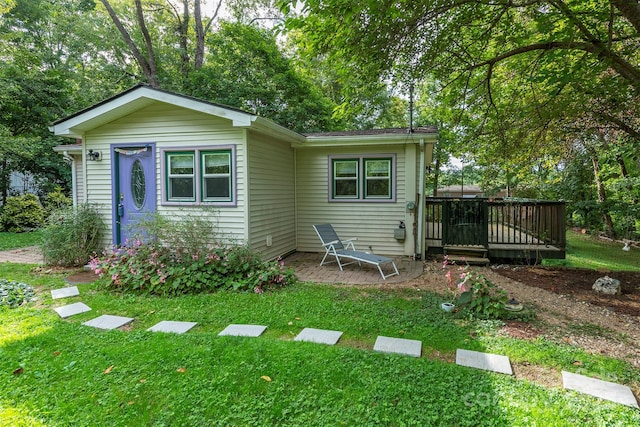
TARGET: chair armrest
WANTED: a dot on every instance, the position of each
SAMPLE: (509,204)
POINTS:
(349,242)
(330,243)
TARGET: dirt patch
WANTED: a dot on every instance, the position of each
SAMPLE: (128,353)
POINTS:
(578,282)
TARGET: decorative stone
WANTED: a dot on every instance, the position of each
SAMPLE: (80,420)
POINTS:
(608,286)
(319,336)
(398,345)
(243,330)
(172,326)
(108,321)
(71,291)
(598,388)
(484,361)
(72,309)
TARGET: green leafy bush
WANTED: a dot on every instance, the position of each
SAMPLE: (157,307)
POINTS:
(178,257)
(56,200)
(14,294)
(22,213)
(72,235)
(470,289)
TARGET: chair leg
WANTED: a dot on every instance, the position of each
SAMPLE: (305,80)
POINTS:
(324,258)
(395,269)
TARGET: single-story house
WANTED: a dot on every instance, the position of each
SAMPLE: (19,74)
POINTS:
(150,150)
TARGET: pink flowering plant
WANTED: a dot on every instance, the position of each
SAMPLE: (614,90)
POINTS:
(153,268)
(467,287)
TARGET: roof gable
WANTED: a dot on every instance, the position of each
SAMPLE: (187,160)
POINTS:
(141,96)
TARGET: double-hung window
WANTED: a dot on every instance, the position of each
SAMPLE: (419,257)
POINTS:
(181,183)
(362,178)
(216,176)
(199,175)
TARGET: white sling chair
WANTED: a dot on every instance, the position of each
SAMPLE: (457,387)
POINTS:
(334,247)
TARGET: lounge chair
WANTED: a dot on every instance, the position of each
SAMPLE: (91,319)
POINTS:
(334,247)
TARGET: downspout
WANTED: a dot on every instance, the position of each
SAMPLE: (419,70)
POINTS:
(72,161)
(420,240)
(84,172)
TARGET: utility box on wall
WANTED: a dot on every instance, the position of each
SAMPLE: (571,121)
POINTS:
(399,233)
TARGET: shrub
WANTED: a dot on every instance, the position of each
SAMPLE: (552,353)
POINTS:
(482,298)
(14,294)
(162,261)
(22,213)
(56,200)
(72,236)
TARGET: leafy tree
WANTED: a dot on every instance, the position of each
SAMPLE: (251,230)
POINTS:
(248,71)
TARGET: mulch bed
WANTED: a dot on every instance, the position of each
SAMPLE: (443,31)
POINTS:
(578,283)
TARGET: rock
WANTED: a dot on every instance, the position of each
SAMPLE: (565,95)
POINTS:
(607,285)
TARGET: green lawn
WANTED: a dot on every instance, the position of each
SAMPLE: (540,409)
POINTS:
(56,372)
(19,240)
(584,251)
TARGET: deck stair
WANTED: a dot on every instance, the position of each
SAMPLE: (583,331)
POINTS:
(474,255)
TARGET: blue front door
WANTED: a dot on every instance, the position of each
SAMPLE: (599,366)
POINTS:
(134,188)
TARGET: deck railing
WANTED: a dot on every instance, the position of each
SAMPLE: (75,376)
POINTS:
(508,221)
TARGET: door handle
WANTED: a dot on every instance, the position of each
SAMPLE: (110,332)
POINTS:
(120,210)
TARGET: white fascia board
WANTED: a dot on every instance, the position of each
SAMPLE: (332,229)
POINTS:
(359,140)
(70,148)
(267,126)
(139,98)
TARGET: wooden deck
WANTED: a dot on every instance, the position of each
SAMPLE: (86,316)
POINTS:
(511,230)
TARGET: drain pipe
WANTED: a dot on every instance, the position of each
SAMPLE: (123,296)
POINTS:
(72,161)
(420,240)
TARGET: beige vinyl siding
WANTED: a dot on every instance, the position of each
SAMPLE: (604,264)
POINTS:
(271,203)
(168,127)
(80,190)
(371,222)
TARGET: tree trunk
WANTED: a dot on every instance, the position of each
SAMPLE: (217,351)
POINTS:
(602,197)
(199,55)
(148,67)
(183,36)
(4,180)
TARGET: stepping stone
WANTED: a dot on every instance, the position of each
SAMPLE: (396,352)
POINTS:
(72,309)
(598,388)
(398,345)
(243,330)
(485,361)
(171,326)
(319,336)
(107,321)
(71,291)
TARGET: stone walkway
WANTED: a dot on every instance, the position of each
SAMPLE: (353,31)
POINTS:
(473,359)
(307,268)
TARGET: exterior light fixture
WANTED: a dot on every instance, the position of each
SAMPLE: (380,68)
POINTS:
(93,155)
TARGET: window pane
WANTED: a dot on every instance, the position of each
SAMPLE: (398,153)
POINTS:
(378,188)
(181,164)
(345,169)
(181,188)
(138,184)
(217,188)
(377,168)
(346,188)
(216,163)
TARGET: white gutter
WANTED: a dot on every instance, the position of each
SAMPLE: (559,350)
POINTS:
(72,162)
(420,244)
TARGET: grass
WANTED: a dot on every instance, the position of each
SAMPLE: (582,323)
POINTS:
(75,375)
(19,240)
(584,251)
(56,372)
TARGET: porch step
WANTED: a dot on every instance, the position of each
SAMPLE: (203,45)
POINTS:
(476,255)
(460,259)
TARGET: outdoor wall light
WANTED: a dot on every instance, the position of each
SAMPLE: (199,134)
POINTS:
(93,155)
